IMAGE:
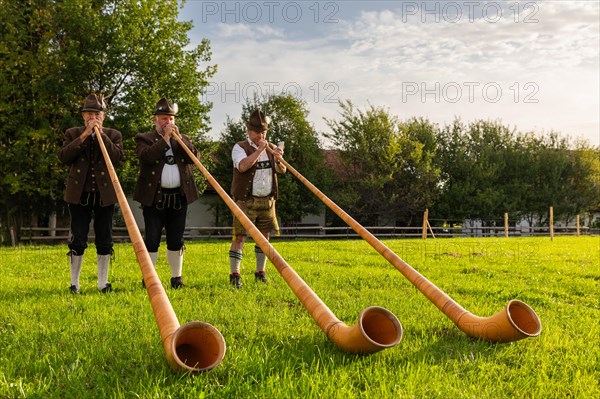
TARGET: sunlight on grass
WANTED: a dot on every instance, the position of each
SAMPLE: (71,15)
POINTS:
(56,345)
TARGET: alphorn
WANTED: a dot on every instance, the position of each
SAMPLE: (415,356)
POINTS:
(516,321)
(377,327)
(194,347)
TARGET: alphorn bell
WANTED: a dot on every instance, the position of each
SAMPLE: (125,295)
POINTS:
(194,347)
(377,327)
(516,321)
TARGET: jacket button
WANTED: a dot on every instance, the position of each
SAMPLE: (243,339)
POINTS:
(102,173)
(153,172)
(78,170)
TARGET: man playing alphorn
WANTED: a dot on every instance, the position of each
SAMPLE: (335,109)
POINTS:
(89,189)
(165,186)
(254,189)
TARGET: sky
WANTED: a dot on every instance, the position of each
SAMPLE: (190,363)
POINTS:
(532,65)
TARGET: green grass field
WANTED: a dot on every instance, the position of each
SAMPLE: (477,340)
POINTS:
(56,345)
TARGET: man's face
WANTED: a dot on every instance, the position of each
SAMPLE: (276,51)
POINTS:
(256,137)
(92,116)
(162,120)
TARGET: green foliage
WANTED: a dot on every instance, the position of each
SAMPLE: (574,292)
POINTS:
(55,53)
(392,170)
(474,160)
(489,169)
(290,125)
(388,174)
(56,345)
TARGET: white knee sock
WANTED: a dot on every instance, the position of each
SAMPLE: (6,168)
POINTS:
(75,269)
(235,259)
(175,259)
(103,263)
(261,259)
(153,258)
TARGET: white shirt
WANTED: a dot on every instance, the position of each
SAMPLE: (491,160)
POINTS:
(262,184)
(170,174)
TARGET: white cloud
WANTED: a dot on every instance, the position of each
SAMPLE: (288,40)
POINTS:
(557,40)
(547,70)
(243,30)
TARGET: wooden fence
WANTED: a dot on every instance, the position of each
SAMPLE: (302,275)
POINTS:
(62,235)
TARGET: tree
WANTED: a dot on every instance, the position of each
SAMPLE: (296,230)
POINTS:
(389,170)
(474,159)
(566,179)
(290,125)
(418,182)
(489,169)
(55,53)
(583,185)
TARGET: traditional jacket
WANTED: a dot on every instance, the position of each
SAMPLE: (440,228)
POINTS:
(150,150)
(88,169)
(241,186)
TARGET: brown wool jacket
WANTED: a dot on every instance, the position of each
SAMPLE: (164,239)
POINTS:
(83,156)
(241,186)
(150,150)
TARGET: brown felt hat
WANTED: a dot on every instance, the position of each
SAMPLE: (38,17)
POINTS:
(258,121)
(163,107)
(93,103)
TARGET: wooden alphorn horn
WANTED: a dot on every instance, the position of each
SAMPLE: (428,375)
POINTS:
(194,347)
(516,321)
(377,327)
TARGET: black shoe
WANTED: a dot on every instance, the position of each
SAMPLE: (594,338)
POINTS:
(236,280)
(143,284)
(107,288)
(176,282)
(261,276)
(74,290)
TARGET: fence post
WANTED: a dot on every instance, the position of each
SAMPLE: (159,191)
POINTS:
(577,219)
(13,238)
(52,224)
(425,222)
(430,229)
(505,224)
(551,224)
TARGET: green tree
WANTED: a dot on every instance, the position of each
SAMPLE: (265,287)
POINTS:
(388,170)
(489,169)
(566,178)
(475,161)
(302,151)
(583,186)
(54,53)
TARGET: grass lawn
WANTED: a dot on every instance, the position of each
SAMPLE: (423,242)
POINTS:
(57,345)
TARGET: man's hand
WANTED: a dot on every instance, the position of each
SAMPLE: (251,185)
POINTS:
(169,130)
(278,153)
(89,129)
(262,145)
